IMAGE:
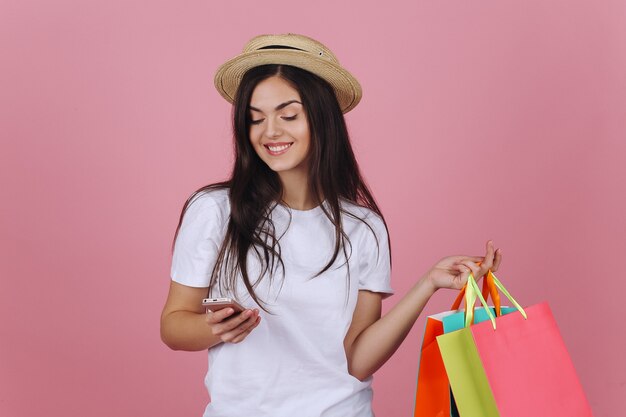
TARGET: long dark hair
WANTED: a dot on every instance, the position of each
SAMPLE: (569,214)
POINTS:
(254,189)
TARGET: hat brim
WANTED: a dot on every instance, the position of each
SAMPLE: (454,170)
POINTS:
(347,88)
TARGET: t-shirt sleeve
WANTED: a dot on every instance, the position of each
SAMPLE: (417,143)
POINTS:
(374,261)
(198,242)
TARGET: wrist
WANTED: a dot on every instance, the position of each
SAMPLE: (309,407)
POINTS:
(427,285)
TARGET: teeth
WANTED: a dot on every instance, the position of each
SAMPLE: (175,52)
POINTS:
(278,148)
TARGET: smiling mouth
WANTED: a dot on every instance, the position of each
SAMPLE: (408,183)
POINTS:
(278,148)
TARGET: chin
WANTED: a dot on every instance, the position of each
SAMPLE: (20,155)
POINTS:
(280,169)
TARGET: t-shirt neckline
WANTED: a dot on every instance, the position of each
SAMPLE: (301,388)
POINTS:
(315,211)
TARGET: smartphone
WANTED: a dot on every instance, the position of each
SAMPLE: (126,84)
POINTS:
(215,304)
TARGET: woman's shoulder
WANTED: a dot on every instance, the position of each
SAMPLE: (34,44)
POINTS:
(209,201)
(358,212)
(361,216)
(212,195)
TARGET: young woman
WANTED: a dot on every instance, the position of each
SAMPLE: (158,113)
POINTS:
(297,238)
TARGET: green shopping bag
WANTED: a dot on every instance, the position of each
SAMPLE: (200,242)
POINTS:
(433,397)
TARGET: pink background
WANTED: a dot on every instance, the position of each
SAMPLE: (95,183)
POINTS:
(484,119)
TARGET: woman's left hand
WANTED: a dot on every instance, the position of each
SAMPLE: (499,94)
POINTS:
(453,271)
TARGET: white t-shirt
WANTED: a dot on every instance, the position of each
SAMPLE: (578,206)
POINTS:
(294,362)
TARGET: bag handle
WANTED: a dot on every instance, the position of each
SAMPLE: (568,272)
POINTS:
(472,292)
(489,289)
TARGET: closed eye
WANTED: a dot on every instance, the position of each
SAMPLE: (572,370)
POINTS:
(256,122)
(289,118)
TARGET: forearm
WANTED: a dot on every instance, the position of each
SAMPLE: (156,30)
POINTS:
(375,345)
(186,330)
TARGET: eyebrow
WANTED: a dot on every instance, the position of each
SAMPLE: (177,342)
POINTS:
(279,107)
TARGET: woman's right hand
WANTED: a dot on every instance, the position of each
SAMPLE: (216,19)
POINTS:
(185,325)
(231,328)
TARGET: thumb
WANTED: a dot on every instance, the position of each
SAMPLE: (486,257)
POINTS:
(464,276)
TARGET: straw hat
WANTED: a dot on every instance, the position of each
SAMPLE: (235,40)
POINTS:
(290,49)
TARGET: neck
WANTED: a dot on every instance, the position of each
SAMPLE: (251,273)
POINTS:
(297,193)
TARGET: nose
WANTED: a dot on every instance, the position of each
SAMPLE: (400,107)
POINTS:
(273,129)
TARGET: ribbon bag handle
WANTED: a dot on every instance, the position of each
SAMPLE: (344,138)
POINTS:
(489,289)
(471,292)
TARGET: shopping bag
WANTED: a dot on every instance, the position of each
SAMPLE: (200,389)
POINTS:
(433,397)
(515,365)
